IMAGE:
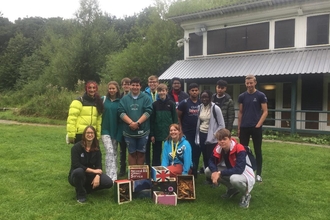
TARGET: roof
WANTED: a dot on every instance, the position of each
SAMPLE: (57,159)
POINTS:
(296,61)
(234,8)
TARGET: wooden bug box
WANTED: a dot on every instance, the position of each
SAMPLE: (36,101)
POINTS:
(160,174)
(186,187)
(137,172)
(165,198)
(123,191)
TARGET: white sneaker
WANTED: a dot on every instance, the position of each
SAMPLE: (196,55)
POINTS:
(245,202)
(259,179)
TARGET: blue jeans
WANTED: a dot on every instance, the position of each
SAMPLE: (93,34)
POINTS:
(136,144)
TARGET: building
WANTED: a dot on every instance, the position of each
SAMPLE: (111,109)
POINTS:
(284,43)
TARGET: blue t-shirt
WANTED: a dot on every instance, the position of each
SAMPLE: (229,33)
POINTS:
(189,119)
(252,109)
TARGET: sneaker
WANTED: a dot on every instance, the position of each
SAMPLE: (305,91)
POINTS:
(259,179)
(245,201)
(81,200)
(230,193)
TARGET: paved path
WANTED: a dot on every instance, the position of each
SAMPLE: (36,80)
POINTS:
(49,125)
(23,123)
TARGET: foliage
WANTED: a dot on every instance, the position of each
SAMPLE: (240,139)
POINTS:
(182,7)
(151,54)
(36,161)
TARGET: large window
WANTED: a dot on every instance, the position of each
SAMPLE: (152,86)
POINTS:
(195,44)
(318,30)
(284,33)
(244,38)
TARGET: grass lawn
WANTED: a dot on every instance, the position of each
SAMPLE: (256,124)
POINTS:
(35,162)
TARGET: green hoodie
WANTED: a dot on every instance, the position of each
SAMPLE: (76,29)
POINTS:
(135,108)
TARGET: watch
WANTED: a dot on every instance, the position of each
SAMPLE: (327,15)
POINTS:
(138,122)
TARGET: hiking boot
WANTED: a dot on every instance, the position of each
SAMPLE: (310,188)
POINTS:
(245,201)
(259,179)
(230,193)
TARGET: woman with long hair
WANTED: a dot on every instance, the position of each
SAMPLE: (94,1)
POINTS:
(85,110)
(86,173)
(111,129)
(176,155)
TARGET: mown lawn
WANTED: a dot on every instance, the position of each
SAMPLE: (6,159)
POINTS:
(35,162)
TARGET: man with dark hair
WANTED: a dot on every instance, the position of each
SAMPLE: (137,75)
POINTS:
(226,104)
(188,116)
(252,114)
(237,174)
(135,109)
(176,94)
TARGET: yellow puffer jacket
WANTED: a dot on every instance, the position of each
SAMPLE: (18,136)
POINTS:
(82,113)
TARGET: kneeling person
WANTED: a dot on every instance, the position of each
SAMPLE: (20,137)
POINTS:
(237,174)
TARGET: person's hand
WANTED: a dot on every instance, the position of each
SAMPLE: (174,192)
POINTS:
(96,181)
(97,171)
(215,176)
(134,126)
(152,139)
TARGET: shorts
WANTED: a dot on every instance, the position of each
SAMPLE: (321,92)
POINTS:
(136,144)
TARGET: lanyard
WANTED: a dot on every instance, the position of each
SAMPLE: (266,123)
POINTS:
(174,150)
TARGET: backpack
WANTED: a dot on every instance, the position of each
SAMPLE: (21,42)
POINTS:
(251,157)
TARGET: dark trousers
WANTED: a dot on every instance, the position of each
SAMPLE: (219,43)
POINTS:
(206,149)
(78,138)
(123,149)
(147,154)
(196,154)
(82,182)
(256,134)
(156,153)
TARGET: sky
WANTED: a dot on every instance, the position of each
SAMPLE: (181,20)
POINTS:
(13,9)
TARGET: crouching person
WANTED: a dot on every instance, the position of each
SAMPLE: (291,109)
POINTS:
(237,174)
(86,166)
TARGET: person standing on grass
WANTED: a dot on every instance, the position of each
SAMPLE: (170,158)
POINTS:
(86,173)
(209,121)
(188,116)
(251,116)
(111,129)
(151,90)
(85,110)
(237,175)
(135,109)
(226,104)
(176,94)
(126,87)
(176,155)
(163,115)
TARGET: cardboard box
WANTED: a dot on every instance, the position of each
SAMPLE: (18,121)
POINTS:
(146,193)
(165,198)
(123,191)
(137,172)
(186,187)
(170,186)
(160,174)
(139,185)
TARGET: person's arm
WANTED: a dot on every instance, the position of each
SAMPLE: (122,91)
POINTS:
(74,112)
(240,113)
(180,117)
(230,115)
(239,167)
(263,116)
(165,160)
(187,158)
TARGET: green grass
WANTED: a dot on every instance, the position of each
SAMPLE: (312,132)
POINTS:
(35,163)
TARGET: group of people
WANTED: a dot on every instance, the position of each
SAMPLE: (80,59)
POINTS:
(172,126)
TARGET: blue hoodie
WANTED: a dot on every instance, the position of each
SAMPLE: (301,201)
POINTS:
(148,91)
(183,155)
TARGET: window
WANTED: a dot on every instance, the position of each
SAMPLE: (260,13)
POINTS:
(244,38)
(318,30)
(195,45)
(284,33)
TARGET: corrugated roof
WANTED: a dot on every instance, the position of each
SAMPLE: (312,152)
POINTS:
(229,9)
(298,61)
